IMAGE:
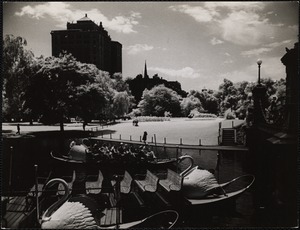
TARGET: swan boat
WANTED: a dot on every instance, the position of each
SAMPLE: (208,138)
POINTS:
(190,198)
(190,174)
(79,212)
(67,159)
(151,164)
(210,199)
(197,193)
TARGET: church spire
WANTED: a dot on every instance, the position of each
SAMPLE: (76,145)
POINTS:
(145,72)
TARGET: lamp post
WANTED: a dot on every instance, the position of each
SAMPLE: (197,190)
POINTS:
(259,93)
(259,63)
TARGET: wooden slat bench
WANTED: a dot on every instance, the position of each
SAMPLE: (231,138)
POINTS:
(149,184)
(126,188)
(70,180)
(94,186)
(109,216)
(173,181)
(41,183)
(32,193)
(125,184)
(15,212)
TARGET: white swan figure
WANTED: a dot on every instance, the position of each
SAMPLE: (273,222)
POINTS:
(67,214)
(198,183)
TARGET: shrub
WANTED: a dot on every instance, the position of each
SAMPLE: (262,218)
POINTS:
(205,115)
(152,118)
(196,114)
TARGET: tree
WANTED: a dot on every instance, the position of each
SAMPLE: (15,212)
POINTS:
(121,103)
(189,103)
(207,99)
(158,100)
(139,84)
(64,88)
(17,69)
(90,99)
(119,84)
(228,95)
(211,104)
(226,87)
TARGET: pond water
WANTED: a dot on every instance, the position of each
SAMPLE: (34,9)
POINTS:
(31,150)
(34,149)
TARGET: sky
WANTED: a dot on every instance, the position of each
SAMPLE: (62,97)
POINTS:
(195,43)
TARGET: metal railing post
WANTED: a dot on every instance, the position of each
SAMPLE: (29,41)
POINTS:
(117,197)
(37,193)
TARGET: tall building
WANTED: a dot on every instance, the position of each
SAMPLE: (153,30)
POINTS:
(88,43)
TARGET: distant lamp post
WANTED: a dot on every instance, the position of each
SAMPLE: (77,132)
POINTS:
(259,64)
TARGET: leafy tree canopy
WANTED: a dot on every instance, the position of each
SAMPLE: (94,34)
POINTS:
(64,88)
(158,100)
(190,103)
(17,69)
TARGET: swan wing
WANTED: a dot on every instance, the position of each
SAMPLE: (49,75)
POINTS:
(71,215)
(199,183)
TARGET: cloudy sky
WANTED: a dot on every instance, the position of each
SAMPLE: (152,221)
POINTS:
(196,43)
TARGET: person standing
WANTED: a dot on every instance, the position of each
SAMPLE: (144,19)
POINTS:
(145,137)
(18,129)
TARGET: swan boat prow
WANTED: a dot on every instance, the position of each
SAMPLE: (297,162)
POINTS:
(229,195)
(65,213)
(191,174)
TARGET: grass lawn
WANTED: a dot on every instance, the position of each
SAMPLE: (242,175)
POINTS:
(189,130)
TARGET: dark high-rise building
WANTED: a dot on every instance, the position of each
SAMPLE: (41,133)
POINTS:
(88,43)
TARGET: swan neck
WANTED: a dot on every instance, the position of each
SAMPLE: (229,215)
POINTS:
(185,172)
(58,203)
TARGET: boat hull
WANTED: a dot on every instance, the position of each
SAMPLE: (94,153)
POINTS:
(229,195)
(117,164)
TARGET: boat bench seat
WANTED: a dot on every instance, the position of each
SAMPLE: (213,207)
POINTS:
(125,184)
(70,181)
(94,186)
(149,184)
(173,181)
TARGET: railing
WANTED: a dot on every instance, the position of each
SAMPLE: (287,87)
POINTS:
(153,139)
